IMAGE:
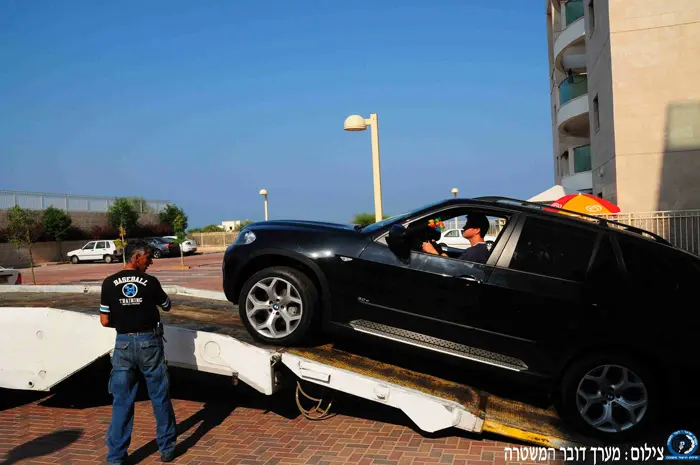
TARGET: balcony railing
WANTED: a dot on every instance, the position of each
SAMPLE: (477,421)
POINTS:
(571,90)
(582,158)
(573,11)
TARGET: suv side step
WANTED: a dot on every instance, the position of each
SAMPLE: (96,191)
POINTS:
(438,345)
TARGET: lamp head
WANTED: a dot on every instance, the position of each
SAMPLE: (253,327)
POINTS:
(263,191)
(455,190)
(355,123)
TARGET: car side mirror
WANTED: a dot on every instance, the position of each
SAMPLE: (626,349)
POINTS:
(398,241)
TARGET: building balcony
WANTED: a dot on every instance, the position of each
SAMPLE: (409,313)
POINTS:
(570,42)
(572,115)
(575,168)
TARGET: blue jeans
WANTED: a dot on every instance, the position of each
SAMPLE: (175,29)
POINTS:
(142,352)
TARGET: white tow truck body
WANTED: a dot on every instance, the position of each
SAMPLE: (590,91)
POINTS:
(43,346)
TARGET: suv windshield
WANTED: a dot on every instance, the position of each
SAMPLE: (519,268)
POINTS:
(381,224)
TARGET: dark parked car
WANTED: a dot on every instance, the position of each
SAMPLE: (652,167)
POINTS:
(159,246)
(596,310)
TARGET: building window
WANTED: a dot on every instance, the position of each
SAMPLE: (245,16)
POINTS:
(582,159)
(596,114)
(591,16)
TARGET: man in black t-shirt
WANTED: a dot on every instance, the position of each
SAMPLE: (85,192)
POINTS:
(129,303)
(474,230)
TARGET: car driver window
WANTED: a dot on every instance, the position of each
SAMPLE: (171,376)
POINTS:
(89,245)
(428,229)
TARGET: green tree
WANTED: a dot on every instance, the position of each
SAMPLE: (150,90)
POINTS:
(170,213)
(56,223)
(207,228)
(242,225)
(24,228)
(139,204)
(365,219)
(122,213)
(179,225)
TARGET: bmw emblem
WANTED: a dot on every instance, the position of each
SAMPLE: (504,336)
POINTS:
(276,306)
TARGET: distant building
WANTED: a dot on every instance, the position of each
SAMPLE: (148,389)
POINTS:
(231,225)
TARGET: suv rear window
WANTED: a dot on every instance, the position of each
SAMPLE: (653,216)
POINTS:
(553,249)
(649,268)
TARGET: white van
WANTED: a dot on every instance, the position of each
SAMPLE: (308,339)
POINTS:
(96,251)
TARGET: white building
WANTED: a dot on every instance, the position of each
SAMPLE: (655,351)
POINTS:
(231,225)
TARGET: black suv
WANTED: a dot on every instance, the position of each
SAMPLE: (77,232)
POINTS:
(597,309)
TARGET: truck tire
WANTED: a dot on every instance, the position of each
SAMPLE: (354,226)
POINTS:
(613,398)
(278,304)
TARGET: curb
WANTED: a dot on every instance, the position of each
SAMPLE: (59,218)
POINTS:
(93,289)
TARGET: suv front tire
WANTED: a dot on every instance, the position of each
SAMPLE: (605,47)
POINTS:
(277,305)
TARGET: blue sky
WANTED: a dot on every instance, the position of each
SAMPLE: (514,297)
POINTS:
(205,103)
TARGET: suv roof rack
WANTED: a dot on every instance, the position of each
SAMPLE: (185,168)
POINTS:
(603,221)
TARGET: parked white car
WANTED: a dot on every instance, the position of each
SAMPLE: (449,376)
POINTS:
(95,251)
(10,276)
(188,247)
(454,238)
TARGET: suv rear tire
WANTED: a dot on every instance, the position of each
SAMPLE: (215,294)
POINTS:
(108,259)
(596,385)
(278,304)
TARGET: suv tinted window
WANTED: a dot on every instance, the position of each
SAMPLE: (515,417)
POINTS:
(553,249)
(605,270)
(648,267)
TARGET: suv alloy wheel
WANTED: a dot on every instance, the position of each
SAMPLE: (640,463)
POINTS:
(613,398)
(277,305)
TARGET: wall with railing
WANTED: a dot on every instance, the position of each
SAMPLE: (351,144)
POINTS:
(680,228)
(70,203)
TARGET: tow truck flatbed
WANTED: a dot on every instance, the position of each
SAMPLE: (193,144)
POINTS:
(203,333)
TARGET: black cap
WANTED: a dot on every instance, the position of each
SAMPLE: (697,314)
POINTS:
(479,221)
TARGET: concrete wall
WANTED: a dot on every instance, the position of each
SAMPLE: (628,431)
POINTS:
(43,252)
(600,82)
(655,51)
(214,239)
(86,220)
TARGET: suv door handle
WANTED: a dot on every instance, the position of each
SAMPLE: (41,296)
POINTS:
(469,278)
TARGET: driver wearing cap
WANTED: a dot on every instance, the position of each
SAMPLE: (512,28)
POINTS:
(474,231)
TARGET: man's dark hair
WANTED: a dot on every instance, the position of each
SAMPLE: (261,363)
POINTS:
(140,248)
(478,220)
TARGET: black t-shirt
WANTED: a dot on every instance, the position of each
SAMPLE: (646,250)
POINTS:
(130,298)
(478,253)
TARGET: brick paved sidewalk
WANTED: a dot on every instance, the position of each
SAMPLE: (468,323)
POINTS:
(234,426)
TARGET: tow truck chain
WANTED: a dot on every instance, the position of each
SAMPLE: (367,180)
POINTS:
(315,413)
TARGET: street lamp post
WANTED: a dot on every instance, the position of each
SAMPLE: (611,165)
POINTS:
(263,192)
(358,123)
(455,191)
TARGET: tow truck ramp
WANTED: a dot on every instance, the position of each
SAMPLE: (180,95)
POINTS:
(44,346)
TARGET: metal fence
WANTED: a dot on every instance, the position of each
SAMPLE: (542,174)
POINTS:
(681,228)
(71,203)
